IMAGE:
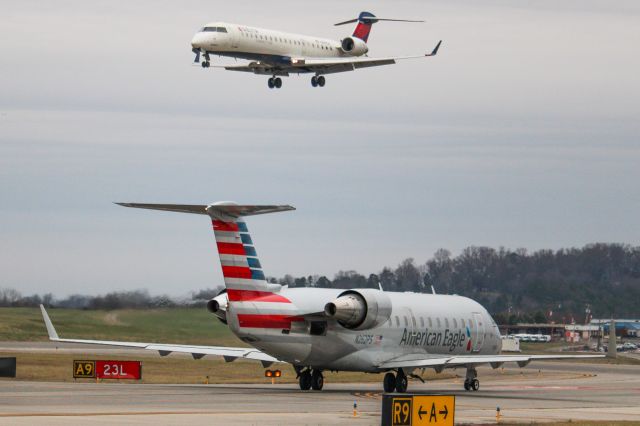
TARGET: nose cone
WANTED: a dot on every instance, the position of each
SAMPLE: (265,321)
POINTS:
(198,41)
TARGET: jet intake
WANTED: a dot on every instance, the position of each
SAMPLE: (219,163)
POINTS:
(360,309)
(353,46)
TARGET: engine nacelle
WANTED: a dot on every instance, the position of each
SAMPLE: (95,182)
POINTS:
(218,306)
(360,309)
(353,46)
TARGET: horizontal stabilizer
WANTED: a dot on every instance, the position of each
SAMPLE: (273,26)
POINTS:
(214,210)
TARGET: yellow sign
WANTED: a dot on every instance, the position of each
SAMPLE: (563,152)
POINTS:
(433,410)
(418,410)
(84,369)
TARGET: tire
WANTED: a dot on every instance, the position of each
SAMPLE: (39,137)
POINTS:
(389,383)
(314,81)
(277,82)
(305,381)
(466,385)
(204,64)
(401,383)
(270,83)
(475,384)
(317,380)
(321,81)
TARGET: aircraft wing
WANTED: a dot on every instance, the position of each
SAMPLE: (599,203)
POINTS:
(197,352)
(442,362)
(321,65)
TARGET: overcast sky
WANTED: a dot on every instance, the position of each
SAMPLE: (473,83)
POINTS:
(522,132)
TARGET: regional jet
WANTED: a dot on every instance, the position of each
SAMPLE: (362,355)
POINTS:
(324,329)
(279,54)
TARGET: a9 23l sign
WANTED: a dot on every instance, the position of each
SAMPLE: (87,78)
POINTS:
(101,369)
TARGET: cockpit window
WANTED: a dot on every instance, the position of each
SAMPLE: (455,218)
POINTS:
(214,29)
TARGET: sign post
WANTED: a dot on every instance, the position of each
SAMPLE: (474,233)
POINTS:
(418,410)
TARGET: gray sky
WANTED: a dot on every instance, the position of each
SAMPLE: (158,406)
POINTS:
(522,132)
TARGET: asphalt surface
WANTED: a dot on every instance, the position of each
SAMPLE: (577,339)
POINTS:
(545,391)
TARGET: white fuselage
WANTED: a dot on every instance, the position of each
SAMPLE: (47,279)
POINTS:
(418,324)
(241,41)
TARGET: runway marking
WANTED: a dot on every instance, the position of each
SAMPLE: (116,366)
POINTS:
(159,413)
(371,395)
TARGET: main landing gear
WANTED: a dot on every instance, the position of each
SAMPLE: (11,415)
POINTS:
(205,64)
(471,383)
(395,383)
(311,379)
(274,82)
(318,80)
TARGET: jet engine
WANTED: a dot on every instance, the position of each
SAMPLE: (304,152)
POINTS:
(353,46)
(218,306)
(360,309)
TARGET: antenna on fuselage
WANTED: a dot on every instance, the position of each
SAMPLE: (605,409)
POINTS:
(380,286)
(433,290)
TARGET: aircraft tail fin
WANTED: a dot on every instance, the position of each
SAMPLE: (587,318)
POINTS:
(242,271)
(365,21)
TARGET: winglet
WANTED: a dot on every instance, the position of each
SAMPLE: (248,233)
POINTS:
(435,49)
(47,321)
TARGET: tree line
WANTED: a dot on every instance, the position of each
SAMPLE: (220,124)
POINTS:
(514,285)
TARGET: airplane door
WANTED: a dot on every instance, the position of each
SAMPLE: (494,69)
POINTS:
(479,328)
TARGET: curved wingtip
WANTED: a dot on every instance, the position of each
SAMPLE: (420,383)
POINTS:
(435,49)
(53,335)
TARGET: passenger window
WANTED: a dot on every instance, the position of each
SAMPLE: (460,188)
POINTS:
(455,323)
(413,321)
(439,323)
(397,321)
(406,322)
(446,322)
(430,323)
(421,322)
(462,322)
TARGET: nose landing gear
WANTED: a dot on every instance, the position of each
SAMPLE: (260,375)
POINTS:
(205,64)
(274,82)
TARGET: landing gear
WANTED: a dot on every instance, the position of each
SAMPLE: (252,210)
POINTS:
(205,64)
(318,80)
(274,82)
(389,382)
(305,380)
(471,383)
(401,382)
(317,380)
(397,383)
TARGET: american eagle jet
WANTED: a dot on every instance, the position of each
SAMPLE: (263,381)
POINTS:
(320,329)
(280,54)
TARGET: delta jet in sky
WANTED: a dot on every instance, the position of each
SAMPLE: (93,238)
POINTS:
(319,329)
(277,54)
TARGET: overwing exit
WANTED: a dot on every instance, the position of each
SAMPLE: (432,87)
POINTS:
(279,54)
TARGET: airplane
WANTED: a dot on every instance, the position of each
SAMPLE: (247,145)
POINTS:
(280,54)
(324,329)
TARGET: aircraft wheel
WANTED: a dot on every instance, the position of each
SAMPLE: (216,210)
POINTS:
(389,382)
(321,81)
(204,64)
(317,380)
(314,81)
(401,383)
(277,82)
(305,380)
(475,384)
(271,85)
(466,385)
